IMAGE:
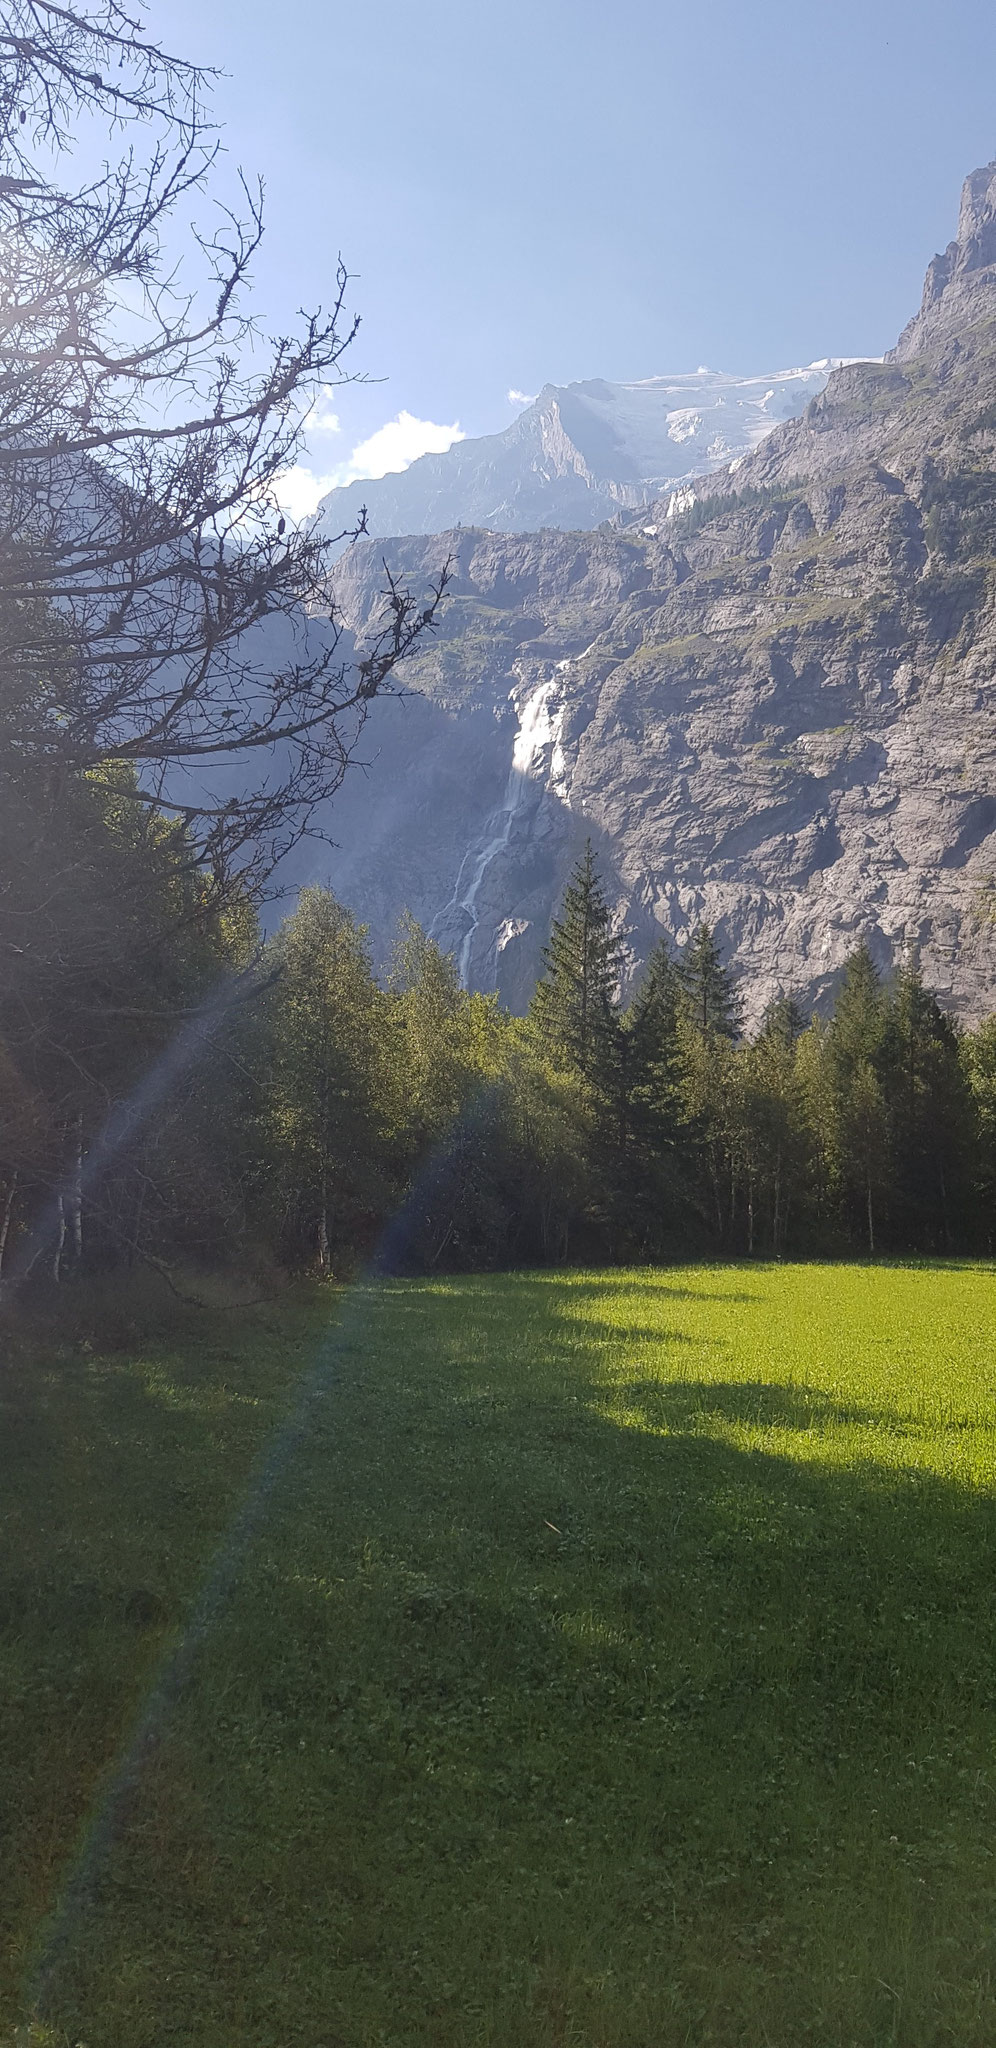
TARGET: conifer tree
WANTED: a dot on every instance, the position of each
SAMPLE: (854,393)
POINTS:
(783,1021)
(432,1017)
(856,1047)
(326,1088)
(770,1137)
(859,1015)
(978,1052)
(655,1049)
(930,1114)
(709,1024)
(574,1006)
(651,1131)
(714,1007)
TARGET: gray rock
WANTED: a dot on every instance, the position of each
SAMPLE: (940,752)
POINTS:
(777,711)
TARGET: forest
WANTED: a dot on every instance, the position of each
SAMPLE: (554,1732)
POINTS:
(179,1093)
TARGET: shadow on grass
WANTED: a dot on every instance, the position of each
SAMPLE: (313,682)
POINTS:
(580,1286)
(688,1406)
(516,1698)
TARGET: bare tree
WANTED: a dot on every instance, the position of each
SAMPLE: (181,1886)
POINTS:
(144,424)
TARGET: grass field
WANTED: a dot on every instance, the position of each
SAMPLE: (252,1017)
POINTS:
(519,1662)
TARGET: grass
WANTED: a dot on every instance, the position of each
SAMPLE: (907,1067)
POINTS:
(602,1659)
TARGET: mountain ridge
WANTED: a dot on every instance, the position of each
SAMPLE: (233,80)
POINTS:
(771,704)
(579,454)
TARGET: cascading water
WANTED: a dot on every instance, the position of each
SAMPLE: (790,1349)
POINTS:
(537,764)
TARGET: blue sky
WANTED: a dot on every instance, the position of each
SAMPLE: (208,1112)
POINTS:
(560,189)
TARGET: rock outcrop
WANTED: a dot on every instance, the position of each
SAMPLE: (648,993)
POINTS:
(776,711)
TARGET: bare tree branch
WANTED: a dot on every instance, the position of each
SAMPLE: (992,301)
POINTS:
(154,605)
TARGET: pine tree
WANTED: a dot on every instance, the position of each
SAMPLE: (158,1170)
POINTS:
(714,1008)
(978,1053)
(432,1016)
(771,1138)
(655,1051)
(709,1021)
(930,1114)
(651,1160)
(326,1088)
(856,1051)
(574,1006)
(783,1021)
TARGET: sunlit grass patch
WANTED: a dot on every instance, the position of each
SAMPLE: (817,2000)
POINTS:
(610,1662)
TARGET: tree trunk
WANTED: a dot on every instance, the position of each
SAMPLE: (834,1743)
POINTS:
(324,1260)
(718,1198)
(136,1228)
(75,1192)
(8,1210)
(871,1218)
(60,1240)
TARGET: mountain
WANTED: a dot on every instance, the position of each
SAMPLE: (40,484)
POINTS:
(771,702)
(579,454)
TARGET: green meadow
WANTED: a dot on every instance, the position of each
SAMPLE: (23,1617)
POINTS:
(601,1660)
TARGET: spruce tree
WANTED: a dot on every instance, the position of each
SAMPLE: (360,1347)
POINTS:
(649,1157)
(655,1052)
(326,1087)
(783,1021)
(859,1017)
(858,1141)
(574,1006)
(978,1056)
(930,1114)
(714,1008)
(708,1025)
(771,1142)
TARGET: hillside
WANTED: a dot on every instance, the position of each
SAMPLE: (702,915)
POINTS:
(777,711)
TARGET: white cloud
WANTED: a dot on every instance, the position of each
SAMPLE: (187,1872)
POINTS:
(299,491)
(394,446)
(521,397)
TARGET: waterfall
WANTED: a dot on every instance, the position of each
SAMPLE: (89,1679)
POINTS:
(537,763)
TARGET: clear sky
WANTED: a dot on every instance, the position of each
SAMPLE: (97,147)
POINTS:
(541,190)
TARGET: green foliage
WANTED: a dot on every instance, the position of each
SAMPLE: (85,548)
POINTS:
(320,1120)
(111,942)
(653,1024)
(855,1052)
(978,1053)
(330,1101)
(719,504)
(574,1005)
(931,1123)
(714,1009)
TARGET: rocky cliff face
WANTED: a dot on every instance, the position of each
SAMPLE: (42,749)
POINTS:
(776,711)
(580,453)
